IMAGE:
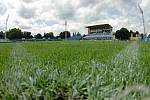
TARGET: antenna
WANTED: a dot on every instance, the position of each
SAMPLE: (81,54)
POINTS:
(65,25)
(6,26)
(142,13)
(65,29)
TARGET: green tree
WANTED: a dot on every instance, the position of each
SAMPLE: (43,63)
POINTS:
(38,36)
(27,35)
(2,35)
(78,34)
(62,34)
(131,32)
(134,33)
(73,34)
(142,36)
(49,35)
(14,33)
(122,34)
(114,33)
(137,33)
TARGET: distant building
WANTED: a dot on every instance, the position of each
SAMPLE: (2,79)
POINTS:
(75,38)
(136,38)
(99,32)
(147,38)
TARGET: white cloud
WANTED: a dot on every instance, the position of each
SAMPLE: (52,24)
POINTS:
(49,15)
(3,9)
(27,12)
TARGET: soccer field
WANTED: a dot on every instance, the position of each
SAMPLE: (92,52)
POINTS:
(75,70)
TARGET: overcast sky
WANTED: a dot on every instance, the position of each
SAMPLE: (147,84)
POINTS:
(49,15)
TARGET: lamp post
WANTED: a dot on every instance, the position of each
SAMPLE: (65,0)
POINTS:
(6,27)
(65,29)
(143,19)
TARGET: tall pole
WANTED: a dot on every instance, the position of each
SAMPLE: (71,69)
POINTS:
(143,19)
(65,29)
(6,26)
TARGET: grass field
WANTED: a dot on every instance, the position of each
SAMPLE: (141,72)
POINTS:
(145,59)
(75,70)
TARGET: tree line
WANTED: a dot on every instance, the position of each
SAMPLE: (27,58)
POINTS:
(125,34)
(16,33)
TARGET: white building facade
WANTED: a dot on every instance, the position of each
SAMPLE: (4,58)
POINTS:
(99,32)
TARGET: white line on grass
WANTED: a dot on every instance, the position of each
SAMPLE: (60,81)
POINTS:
(110,80)
(20,73)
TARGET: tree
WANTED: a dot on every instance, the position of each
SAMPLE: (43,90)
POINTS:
(14,33)
(114,33)
(38,36)
(78,34)
(73,34)
(27,35)
(142,36)
(137,33)
(84,35)
(49,35)
(134,33)
(131,32)
(57,37)
(2,35)
(122,34)
(62,34)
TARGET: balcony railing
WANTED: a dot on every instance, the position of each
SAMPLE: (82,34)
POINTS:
(100,33)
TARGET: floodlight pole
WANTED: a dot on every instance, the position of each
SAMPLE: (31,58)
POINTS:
(65,29)
(6,27)
(143,23)
(143,19)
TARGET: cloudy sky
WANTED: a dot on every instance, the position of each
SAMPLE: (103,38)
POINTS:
(50,15)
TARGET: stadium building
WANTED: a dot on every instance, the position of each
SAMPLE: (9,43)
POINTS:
(99,32)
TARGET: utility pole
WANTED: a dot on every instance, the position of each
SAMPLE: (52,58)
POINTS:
(143,19)
(65,29)
(6,26)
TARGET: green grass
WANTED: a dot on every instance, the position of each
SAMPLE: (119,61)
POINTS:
(73,52)
(63,70)
(145,59)
(5,50)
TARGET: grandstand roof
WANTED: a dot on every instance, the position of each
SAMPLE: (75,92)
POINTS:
(101,26)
